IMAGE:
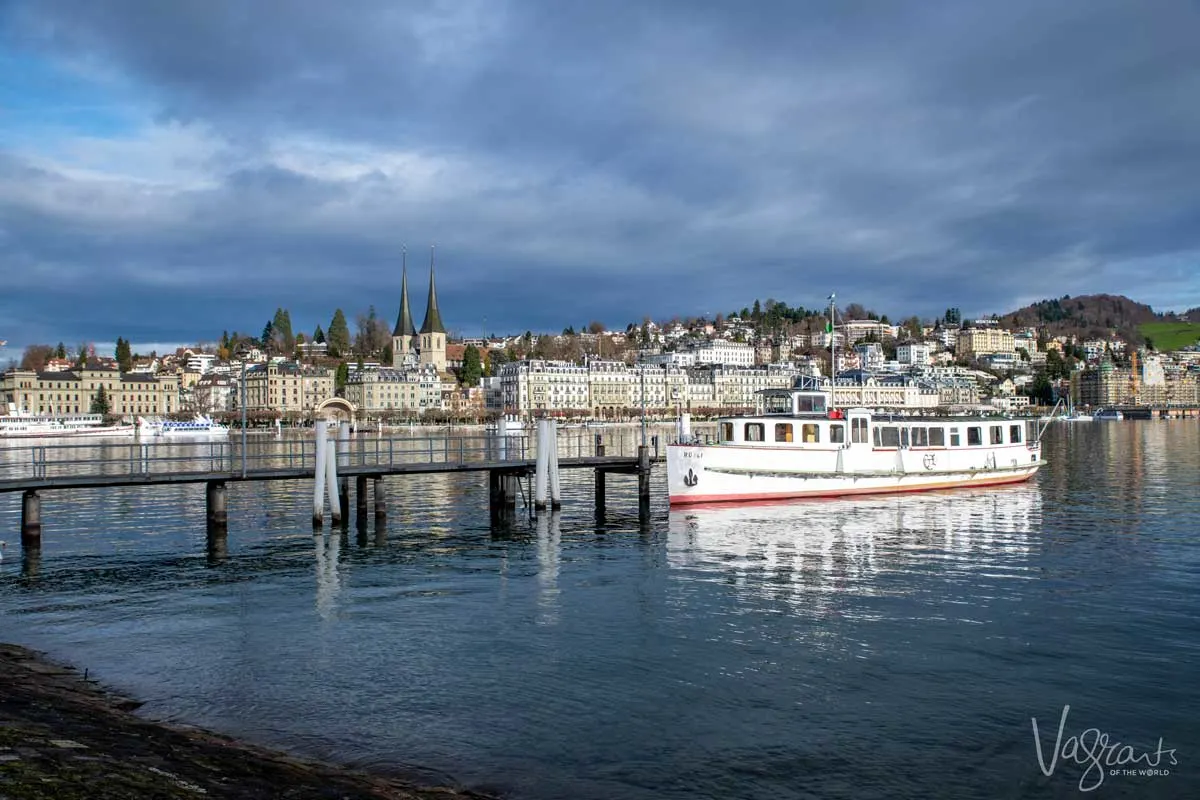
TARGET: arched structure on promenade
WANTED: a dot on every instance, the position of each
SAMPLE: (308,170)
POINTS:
(337,408)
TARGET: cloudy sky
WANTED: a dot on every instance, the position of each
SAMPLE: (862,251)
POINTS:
(172,169)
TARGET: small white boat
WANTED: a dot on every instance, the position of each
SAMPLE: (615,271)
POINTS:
(200,427)
(23,425)
(1108,415)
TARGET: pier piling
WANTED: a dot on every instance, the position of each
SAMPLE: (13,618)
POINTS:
(643,475)
(31,519)
(360,499)
(380,501)
(319,474)
(343,461)
(216,511)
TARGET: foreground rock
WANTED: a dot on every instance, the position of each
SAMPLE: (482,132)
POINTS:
(62,737)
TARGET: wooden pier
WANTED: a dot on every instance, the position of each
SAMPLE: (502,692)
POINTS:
(218,465)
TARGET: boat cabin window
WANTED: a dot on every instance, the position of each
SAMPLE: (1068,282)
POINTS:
(920,437)
(783,431)
(887,436)
(937,437)
(904,437)
(810,404)
(974,437)
(858,430)
(1014,434)
(811,433)
(837,433)
(754,432)
(954,440)
(777,404)
(997,434)
(726,432)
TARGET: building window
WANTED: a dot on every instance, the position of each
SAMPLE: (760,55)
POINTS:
(974,437)
(783,431)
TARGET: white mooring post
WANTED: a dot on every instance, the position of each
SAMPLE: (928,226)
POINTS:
(343,461)
(319,474)
(552,446)
(542,466)
(685,428)
(331,482)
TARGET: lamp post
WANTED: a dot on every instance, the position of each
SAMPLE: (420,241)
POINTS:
(241,353)
(642,372)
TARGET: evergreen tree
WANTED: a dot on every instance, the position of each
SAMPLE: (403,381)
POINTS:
(339,335)
(60,351)
(342,376)
(268,332)
(319,335)
(124,355)
(472,368)
(100,403)
(281,331)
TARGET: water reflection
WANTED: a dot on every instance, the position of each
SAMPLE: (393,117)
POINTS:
(329,582)
(803,551)
(549,552)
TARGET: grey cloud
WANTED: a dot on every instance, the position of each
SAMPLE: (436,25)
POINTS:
(610,160)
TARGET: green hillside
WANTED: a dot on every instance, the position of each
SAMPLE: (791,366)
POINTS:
(1168,336)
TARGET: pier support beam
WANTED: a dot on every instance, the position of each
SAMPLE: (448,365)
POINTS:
(380,501)
(216,511)
(31,519)
(601,480)
(643,475)
(343,461)
(360,499)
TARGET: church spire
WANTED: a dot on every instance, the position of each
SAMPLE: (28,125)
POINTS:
(433,318)
(404,323)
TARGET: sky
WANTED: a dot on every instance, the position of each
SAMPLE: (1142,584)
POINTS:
(172,170)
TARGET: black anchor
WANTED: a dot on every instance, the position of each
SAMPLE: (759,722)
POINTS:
(691,479)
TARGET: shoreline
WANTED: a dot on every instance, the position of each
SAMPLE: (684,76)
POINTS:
(64,736)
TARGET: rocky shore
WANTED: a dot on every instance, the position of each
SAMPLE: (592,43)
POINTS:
(64,737)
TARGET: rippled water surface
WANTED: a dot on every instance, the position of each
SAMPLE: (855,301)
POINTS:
(891,647)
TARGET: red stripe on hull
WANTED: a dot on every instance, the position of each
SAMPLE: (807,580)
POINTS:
(688,499)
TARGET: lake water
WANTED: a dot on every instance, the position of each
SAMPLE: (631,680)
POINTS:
(893,647)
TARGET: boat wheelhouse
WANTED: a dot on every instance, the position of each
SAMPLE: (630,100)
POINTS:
(801,446)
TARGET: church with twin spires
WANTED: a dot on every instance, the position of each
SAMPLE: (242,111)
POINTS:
(411,348)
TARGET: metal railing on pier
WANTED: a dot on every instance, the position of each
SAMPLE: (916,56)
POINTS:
(66,458)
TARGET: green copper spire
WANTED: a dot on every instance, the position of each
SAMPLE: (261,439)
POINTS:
(433,318)
(404,323)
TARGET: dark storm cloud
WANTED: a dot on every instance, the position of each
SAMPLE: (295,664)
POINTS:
(579,160)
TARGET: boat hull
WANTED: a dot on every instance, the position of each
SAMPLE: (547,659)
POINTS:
(113,432)
(705,474)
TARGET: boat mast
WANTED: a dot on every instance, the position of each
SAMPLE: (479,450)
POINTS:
(832,344)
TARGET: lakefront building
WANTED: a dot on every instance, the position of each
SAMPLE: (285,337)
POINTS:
(66,392)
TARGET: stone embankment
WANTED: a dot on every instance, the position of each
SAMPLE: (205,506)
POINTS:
(64,737)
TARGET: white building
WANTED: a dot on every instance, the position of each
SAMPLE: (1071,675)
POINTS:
(870,355)
(720,351)
(201,363)
(919,353)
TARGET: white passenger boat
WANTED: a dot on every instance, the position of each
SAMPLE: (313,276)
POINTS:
(1108,415)
(23,425)
(199,427)
(800,446)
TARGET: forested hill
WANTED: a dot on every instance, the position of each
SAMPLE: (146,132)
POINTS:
(1086,315)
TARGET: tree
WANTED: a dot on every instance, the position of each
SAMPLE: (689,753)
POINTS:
(123,355)
(281,331)
(338,335)
(596,327)
(81,356)
(373,333)
(100,403)
(60,351)
(342,376)
(319,336)
(472,368)
(36,356)
(267,336)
